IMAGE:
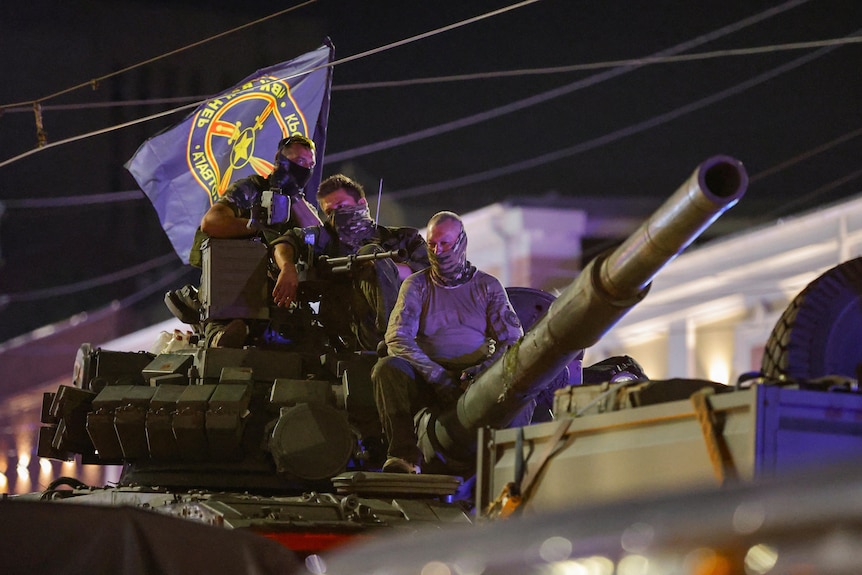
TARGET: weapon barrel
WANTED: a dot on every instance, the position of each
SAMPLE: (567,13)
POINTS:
(345,263)
(600,296)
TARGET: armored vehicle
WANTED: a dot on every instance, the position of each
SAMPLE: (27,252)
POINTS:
(283,437)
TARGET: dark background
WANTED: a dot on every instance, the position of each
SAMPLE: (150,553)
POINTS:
(72,242)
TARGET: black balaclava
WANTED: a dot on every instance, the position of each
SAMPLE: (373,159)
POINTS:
(288,177)
(451,268)
(353,224)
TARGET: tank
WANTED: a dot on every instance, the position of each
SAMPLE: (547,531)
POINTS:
(283,438)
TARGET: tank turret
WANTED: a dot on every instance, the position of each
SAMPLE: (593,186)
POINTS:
(603,292)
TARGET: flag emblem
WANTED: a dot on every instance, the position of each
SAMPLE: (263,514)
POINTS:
(224,132)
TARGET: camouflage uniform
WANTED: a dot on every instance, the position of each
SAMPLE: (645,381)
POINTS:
(435,334)
(240,196)
(355,307)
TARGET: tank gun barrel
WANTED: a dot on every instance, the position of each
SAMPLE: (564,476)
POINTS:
(595,301)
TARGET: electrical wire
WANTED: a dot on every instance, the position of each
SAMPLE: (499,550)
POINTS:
(487,115)
(124,196)
(554,70)
(95,133)
(788,206)
(37,103)
(649,60)
(68,201)
(88,317)
(588,254)
(610,137)
(90,283)
(805,155)
(636,128)
(560,91)
(513,107)
(96,81)
(112,104)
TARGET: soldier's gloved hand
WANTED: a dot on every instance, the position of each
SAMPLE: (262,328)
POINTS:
(448,391)
(446,386)
(280,181)
(468,375)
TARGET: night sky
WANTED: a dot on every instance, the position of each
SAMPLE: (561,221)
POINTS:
(622,132)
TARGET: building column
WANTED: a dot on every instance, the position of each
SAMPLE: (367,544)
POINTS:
(681,341)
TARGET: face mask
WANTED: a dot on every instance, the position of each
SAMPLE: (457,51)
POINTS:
(352,223)
(289,178)
(451,267)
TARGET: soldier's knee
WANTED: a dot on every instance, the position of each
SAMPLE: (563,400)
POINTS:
(390,369)
(381,369)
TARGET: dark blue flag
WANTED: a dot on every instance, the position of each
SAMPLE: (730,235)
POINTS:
(186,168)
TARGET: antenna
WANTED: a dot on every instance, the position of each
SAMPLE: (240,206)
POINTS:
(379,196)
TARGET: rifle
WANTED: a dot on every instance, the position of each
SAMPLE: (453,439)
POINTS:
(272,209)
(312,280)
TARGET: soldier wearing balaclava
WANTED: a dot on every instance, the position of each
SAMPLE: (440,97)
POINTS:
(355,307)
(449,265)
(450,322)
(240,212)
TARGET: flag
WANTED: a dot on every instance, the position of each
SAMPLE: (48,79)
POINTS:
(186,168)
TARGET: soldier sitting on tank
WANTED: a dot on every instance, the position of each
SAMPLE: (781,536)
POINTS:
(237,215)
(354,307)
(451,321)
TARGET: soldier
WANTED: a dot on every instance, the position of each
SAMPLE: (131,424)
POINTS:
(294,161)
(355,307)
(451,321)
(237,215)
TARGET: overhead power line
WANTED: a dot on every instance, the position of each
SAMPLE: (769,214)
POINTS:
(806,154)
(669,53)
(94,83)
(128,272)
(521,72)
(92,316)
(57,291)
(125,196)
(649,60)
(67,201)
(562,90)
(38,108)
(791,205)
(95,133)
(515,106)
(110,104)
(632,129)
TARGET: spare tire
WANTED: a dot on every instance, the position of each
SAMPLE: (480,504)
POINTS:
(820,332)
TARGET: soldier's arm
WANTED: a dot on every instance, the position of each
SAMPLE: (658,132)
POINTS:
(303,212)
(403,329)
(504,326)
(287,282)
(220,221)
